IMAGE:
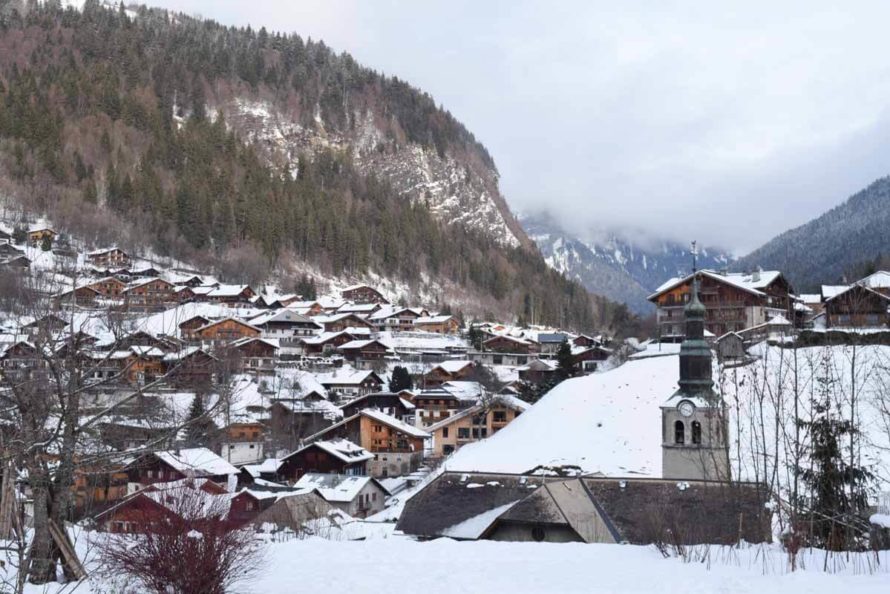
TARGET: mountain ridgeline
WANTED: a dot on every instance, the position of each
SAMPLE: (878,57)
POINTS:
(841,245)
(202,142)
(615,267)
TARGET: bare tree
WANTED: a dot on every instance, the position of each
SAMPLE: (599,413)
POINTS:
(189,547)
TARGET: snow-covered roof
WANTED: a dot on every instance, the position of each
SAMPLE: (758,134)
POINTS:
(810,298)
(433,320)
(228,290)
(282,316)
(829,291)
(751,282)
(342,449)
(196,462)
(878,280)
(453,366)
(360,344)
(464,390)
(605,422)
(344,377)
(341,488)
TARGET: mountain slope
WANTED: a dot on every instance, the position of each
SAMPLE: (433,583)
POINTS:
(824,249)
(212,143)
(614,267)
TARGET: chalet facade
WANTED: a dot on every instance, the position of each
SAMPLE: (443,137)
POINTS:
(734,301)
(109,258)
(438,324)
(242,443)
(361,352)
(859,306)
(473,424)
(509,344)
(363,294)
(174,465)
(335,456)
(225,331)
(109,287)
(148,294)
(398,448)
(447,371)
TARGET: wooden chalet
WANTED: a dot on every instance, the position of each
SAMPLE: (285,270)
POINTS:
(335,456)
(37,233)
(860,306)
(392,404)
(191,368)
(444,324)
(158,502)
(174,465)
(109,258)
(151,293)
(231,295)
(474,423)
(502,343)
(256,354)
(110,287)
(361,351)
(733,301)
(351,384)
(341,322)
(448,371)
(397,446)
(325,343)
(188,327)
(362,294)
(80,296)
(358,496)
(225,331)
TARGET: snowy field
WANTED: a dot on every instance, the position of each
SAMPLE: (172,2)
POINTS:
(447,566)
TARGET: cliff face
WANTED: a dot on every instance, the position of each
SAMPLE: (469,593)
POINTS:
(458,187)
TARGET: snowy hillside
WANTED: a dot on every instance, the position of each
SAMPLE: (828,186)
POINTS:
(615,267)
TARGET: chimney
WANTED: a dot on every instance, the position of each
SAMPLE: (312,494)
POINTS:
(755,276)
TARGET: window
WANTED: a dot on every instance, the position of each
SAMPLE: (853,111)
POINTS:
(500,416)
(679,432)
(696,432)
(538,534)
(444,431)
(463,432)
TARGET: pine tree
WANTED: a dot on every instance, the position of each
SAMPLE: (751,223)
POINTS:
(838,489)
(401,379)
(565,360)
(47,243)
(197,425)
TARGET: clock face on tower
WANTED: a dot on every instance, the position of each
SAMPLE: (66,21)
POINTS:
(686,408)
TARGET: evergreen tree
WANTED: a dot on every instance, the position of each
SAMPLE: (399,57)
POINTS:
(565,360)
(198,425)
(475,336)
(47,243)
(837,501)
(400,380)
(19,235)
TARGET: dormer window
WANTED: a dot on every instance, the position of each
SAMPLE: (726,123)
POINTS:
(696,433)
(679,433)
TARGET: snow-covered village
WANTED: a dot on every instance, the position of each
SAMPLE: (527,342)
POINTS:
(269,322)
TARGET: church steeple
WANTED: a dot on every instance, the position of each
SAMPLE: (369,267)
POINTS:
(695,352)
(693,432)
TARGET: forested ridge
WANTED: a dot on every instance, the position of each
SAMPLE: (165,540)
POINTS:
(104,112)
(842,245)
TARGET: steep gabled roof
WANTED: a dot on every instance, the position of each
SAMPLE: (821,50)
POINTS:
(751,282)
(342,449)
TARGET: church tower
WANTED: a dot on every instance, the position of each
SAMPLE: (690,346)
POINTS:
(693,419)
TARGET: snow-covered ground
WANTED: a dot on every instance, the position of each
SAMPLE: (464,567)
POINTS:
(447,566)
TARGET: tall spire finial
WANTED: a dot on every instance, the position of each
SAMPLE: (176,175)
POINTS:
(694,253)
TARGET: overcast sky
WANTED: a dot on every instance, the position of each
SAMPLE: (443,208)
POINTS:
(677,119)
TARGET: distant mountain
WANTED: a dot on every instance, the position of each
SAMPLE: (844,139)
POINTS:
(842,239)
(616,267)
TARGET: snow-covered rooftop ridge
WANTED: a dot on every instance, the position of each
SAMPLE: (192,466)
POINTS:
(752,282)
(196,460)
(341,488)
(393,422)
